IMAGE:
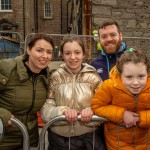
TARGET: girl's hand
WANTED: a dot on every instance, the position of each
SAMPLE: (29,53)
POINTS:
(128,119)
(136,117)
(71,115)
(86,115)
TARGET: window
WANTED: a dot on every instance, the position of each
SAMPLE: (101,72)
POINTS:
(5,5)
(47,10)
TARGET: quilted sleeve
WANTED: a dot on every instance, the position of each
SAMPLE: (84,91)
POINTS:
(50,109)
(102,103)
(144,119)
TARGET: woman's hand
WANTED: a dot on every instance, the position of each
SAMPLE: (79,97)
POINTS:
(86,115)
(9,121)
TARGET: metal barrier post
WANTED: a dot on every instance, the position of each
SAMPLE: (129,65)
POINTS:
(26,145)
(61,118)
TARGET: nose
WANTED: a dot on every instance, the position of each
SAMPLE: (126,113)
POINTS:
(109,38)
(45,55)
(73,56)
(135,82)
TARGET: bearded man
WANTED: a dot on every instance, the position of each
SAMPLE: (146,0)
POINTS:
(112,47)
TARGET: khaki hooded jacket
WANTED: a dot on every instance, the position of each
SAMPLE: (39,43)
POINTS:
(21,95)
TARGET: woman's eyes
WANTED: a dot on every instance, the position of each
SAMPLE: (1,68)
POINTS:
(43,51)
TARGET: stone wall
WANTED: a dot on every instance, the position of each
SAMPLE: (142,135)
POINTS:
(133,17)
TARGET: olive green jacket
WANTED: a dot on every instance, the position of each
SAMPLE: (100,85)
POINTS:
(21,94)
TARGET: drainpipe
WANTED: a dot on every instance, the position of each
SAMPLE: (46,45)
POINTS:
(37,25)
(36,16)
(67,13)
(61,15)
(24,29)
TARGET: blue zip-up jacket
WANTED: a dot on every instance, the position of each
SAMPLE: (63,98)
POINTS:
(104,62)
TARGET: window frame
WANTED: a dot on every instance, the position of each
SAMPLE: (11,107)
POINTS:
(9,5)
(50,9)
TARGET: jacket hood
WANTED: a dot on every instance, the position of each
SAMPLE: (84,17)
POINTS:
(85,68)
(22,70)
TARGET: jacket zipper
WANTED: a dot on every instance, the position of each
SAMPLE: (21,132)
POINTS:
(136,100)
(33,95)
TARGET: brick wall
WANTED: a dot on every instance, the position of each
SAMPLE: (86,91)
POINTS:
(27,23)
(52,26)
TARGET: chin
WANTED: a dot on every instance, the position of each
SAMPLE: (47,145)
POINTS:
(136,92)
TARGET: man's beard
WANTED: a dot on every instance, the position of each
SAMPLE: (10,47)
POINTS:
(117,47)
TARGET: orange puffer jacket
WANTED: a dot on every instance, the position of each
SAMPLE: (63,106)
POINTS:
(110,101)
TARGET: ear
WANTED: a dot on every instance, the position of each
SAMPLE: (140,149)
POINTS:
(28,51)
(120,36)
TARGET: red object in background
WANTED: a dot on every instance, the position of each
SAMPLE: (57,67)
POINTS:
(40,122)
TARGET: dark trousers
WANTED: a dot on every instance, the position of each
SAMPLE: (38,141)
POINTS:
(82,142)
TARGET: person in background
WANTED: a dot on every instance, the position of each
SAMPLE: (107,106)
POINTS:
(110,38)
(23,87)
(71,90)
(112,46)
(124,100)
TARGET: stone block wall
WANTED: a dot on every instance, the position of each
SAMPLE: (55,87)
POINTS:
(133,17)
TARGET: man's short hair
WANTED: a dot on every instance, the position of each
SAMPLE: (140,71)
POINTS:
(108,23)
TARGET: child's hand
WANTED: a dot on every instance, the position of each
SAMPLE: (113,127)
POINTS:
(136,117)
(86,115)
(71,115)
(130,118)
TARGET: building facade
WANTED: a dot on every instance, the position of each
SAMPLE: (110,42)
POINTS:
(80,17)
(30,16)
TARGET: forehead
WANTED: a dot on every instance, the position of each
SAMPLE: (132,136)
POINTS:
(72,46)
(41,43)
(107,29)
(134,68)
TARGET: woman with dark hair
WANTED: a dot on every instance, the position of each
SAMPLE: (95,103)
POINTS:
(23,86)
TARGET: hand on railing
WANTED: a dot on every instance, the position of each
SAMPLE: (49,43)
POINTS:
(62,118)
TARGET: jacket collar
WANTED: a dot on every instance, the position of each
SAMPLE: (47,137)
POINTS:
(22,70)
(122,49)
(85,68)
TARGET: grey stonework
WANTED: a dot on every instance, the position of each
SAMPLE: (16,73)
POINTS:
(133,16)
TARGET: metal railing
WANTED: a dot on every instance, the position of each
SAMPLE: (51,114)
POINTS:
(62,118)
(22,127)
(41,146)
